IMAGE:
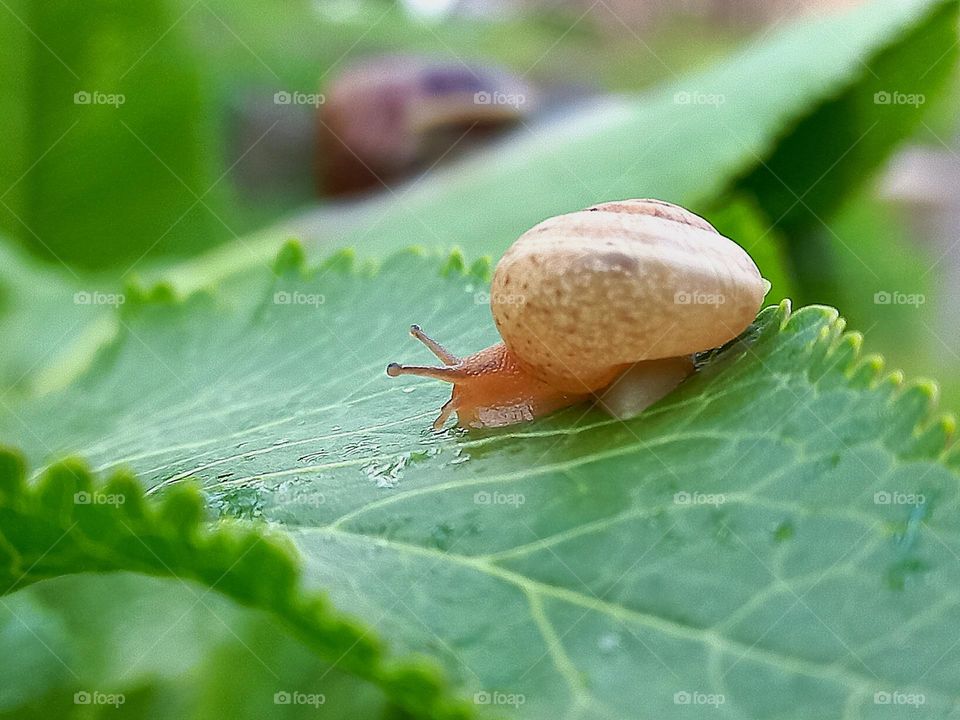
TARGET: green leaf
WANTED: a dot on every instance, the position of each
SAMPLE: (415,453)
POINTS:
(185,652)
(50,322)
(65,525)
(111,159)
(716,544)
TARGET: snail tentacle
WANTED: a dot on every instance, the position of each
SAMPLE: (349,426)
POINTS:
(446,374)
(445,356)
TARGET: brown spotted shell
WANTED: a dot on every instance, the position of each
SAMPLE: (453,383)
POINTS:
(581,297)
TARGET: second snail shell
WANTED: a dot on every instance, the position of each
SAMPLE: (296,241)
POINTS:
(581,297)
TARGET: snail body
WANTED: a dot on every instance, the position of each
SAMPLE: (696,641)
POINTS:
(608,302)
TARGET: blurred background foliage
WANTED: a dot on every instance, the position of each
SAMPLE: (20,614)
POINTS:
(197,155)
(203,668)
(145,181)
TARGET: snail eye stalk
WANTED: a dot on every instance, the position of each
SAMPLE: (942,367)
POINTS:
(446,374)
(450,373)
(446,357)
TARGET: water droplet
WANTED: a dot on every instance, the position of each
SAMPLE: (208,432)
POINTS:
(608,643)
(409,390)
(911,532)
(783,531)
(903,572)
(417,455)
(244,503)
(386,475)
(441,536)
(461,457)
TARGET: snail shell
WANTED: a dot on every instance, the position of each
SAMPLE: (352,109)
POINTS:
(581,297)
(609,303)
(386,117)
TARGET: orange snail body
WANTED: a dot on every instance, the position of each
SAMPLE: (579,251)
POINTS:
(607,302)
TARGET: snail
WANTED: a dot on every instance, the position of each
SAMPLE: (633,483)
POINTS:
(609,303)
(386,118)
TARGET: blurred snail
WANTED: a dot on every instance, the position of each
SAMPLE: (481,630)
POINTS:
(385,117)
(610,303)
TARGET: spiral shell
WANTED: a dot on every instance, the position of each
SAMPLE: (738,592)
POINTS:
(581,297)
